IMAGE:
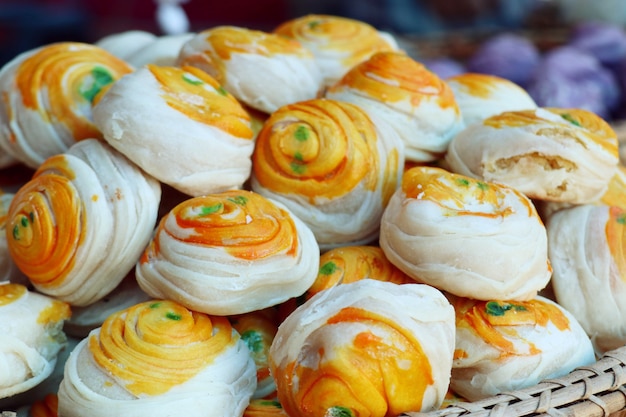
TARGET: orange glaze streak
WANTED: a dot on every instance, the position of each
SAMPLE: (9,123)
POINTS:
(210,107)
(339,154)
(498,331)
(10,115)
(227,40)
(57,311)
(391,77)
(10,293)
(151,352)
(477,85)
(254,230)
(615,230)
(264,408)
(615,194)
(55,73)
(45,248)
(46,407)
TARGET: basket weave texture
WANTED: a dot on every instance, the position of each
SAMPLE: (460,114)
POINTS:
(596,390)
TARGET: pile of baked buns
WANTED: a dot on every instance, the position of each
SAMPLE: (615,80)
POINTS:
(306,222)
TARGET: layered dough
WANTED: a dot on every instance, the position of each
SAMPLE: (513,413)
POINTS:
(506,346)
(587,253)
(337,43)
(31,325)
(47,97)
(481,96)
(332,165)
(80,224)
(564,155)
(229,253)
(468,237)
(180,126)
(158,359)
(370,348)
(263,70)
(414,101)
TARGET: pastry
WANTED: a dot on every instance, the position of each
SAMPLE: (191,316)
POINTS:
(509,345)
(418,104)
(47,95)
(263,70)
(180,126)
(480,96)
(332,165)
(338,43)
(158,359)
(31,325)
(80,224)
(8,270)
(369,348)
(125,44)
(264,408)
(163,51)
(564,155)
(586,247)
(229,253)
(467,237)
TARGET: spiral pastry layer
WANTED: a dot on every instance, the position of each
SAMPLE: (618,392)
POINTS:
(46,98)
(156,359)
(338,43)
(32,336)
(263,70)
(552,154)
(264,408)
(332,165)
(80,224)
(467,237)
(413,100)
(142,114)
(369,348)
(506,345)
(229,253)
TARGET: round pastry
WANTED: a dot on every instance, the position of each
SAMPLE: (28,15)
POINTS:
(263,70)
(125,44)
(47,95)
(80,224)
(180,126)
(509,345)
(418,104)
(31,325)
(229,253)
(332,165)
(258,329)
(370,348)
(565,155)
(586,247)
(480,96)
(163,51)
(464,236)
(338,43)
(157,359)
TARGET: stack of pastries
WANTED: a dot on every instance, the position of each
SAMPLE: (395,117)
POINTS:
(365,238)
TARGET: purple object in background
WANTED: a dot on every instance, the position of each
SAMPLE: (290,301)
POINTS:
(605,41)
(506,55)
(444,67)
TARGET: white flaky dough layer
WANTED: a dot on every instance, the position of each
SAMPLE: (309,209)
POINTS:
(540,152)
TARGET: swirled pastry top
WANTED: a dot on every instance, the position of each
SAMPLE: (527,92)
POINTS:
(414,100)
(263,70)
(438,226)
(338,43)
(46,97)
(553,154)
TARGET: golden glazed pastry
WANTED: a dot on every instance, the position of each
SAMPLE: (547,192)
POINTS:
(31,325)
(229,253)
(554,154)
(80,224)
(369,348)
(332,165)
(46,97)
(338,43)
(180,126)
(464,236)
(263,70)
(158,359)
(480,96)
(413,100)
(587,252)
(509,345)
